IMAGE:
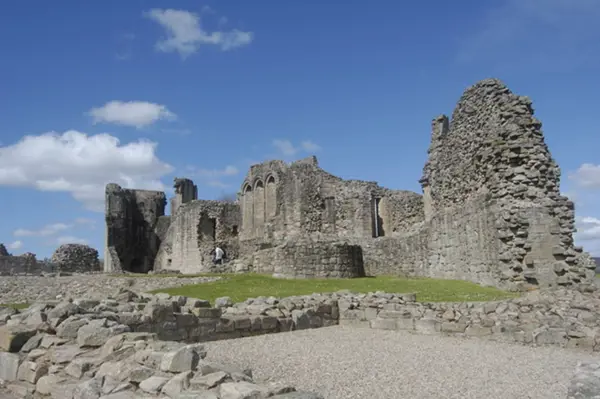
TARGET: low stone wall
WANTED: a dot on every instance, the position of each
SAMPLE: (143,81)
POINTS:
(564,318)
(560,317)
(63,334)
(308,258)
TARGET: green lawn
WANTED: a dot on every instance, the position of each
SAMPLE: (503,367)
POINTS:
(240,287)
(15,305)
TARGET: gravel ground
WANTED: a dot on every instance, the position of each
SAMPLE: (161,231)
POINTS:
(347,363)
(17,289)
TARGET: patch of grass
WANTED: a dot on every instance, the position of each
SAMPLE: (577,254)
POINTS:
(144,275)
(15,305)
(240,287)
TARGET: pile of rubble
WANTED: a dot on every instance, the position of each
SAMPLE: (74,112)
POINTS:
(88,349)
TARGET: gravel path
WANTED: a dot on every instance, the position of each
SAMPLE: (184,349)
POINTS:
(347,363)
(17,289)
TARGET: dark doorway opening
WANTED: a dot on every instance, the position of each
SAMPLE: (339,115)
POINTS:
(377,220)
(137,266)
(213,223)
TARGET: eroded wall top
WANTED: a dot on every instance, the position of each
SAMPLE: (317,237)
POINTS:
(492,144)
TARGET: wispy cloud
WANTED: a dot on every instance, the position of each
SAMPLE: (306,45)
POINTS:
(554,34)
(213,177)
(125,51)
(185,34)
(54,228)
(70,240)
(229,170)
(48,230)
(287,149)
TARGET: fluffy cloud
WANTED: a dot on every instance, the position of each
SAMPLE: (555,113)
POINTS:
(15,245)
(588,234)
(131,113)
(288,149)
(588,228)
(81,165)
(185,34)
(587,176)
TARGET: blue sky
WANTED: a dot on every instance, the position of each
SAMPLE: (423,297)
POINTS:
(136,93)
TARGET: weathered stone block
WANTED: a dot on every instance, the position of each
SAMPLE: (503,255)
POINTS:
(9,366)
(12,338)
(383,324)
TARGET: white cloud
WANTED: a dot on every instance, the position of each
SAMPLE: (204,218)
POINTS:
(15,245)
(587,176)
(81,165)
(48,230)
(185,34)
(70,240)
(588,234)
(288,149)
(130,113)
(588,228)
(554,34)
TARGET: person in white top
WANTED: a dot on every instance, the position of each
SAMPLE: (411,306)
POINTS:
(218,256)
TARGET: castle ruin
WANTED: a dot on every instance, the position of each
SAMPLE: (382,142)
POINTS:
(491,212)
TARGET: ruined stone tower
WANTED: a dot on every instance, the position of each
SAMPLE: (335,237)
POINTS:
(185,191)
(131,220)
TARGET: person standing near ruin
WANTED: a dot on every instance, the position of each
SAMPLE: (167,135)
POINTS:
(218,256)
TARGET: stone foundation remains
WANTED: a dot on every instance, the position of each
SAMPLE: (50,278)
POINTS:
(140,344)
(491,212)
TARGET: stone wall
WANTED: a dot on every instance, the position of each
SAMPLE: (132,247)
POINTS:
(131,220)
(280,201)
(563,317)
(89,348)
(185,191)
(491,211)
(23,264)
(194,232)
(307,258)
(75,258)
(491,159)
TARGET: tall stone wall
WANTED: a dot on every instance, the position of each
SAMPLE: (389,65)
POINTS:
(131,220)
(491,176)
(279,201)
(194,232)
